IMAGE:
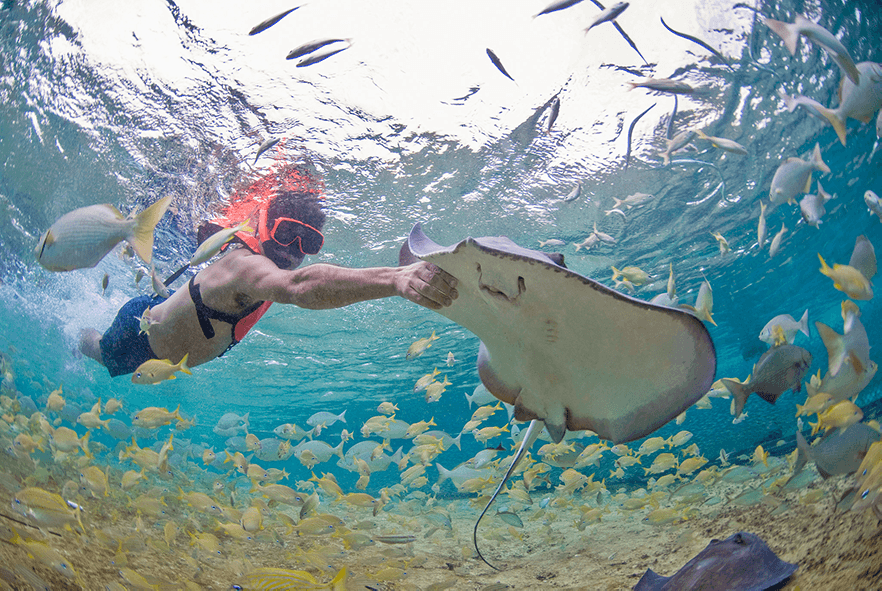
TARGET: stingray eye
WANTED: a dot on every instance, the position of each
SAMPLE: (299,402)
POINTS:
(738,539)
(478,268)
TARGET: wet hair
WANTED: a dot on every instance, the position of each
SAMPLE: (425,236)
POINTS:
(299,205)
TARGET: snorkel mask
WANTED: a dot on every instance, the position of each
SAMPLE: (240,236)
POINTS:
(288,231)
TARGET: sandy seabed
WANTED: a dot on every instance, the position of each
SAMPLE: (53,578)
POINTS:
(834,550)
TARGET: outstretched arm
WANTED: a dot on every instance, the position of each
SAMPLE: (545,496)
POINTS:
(322,286)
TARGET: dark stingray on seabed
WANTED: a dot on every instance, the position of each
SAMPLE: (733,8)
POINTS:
(741,562)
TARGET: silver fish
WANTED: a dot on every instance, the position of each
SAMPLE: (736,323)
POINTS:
(574,194)
(271,21)
(663,85)
(498,63)
(555,6)
(266,145)
(610,14)
(81,238)
(553,112)
(321,56)
(312,46)
(779,369)
(873,202)
(790,33)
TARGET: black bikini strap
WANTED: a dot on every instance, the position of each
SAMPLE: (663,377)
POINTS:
(201,309)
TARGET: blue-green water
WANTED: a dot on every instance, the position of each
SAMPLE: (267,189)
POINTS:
(86,117)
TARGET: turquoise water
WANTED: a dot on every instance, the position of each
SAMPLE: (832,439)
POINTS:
(83,122)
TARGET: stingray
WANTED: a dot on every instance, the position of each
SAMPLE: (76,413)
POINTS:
(565,350)
(742,562)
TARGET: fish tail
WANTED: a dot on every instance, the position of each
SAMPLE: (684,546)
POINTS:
(183,365)
(739,394)
(803,324)
(825,268)
(616,273)
(818,161)
(786,31)
(141,237)
(338,583)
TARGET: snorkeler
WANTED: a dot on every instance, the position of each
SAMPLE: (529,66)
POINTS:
(223,301)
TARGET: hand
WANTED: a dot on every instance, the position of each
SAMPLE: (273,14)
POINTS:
(427,285)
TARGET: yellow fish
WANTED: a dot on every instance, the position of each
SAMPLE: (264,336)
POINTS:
(55,401)
(633,274)
(815,404)
(760,455)
(44,508)
(841,415)
(81,238)
(263,578)
(419,346)
(436,389)
(153,417)
(67,440)
(848,280)
(214,243)
(154,371)
(45,554)
(423,382)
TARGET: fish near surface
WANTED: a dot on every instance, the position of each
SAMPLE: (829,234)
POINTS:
(81,238)
(741,561)
(778,370)
(857,101)
(790,33)
(794,176)
(550,346)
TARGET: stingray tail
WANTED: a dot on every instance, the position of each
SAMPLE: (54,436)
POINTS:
(739,395)
(530,437)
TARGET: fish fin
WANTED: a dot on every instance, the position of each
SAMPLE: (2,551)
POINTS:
(803,324)
(788,32)
(739,395)
(818,163)
(835,119)
(824,474)
(141,238)
(833,342)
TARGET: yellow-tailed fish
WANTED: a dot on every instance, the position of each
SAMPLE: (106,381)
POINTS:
(214,243)
(153,417)
(81,238)
(154,371)
(419,346)
(847,279)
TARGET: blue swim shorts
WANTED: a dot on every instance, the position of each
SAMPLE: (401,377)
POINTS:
(122,348)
